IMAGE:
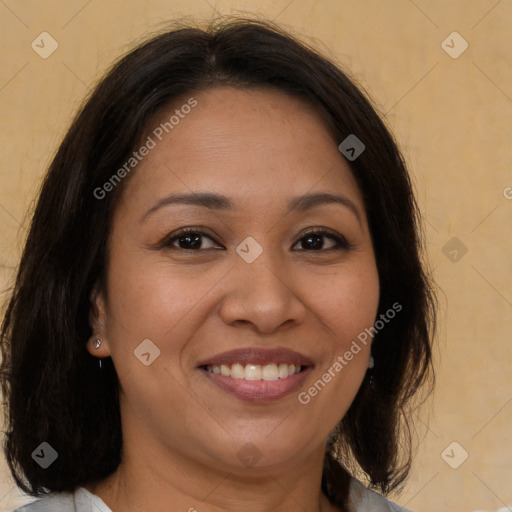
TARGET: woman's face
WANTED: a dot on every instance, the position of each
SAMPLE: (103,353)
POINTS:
(253,288)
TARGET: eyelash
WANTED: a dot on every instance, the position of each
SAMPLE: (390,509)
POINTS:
(341,242)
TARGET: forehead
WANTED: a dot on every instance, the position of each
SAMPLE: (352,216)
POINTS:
(244,143)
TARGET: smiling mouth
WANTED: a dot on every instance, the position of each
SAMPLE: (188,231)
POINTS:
(257,375)
(254,372)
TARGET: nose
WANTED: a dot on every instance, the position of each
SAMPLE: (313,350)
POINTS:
(262,296)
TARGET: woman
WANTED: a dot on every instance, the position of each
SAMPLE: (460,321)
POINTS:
(221,302)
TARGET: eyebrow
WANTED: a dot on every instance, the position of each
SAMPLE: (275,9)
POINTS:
(220,202)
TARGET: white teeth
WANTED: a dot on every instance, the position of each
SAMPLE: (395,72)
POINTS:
(252,372)
(255,371)
(270,372)
(237,371)
(283,370)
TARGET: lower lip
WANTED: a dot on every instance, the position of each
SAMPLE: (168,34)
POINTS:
(258,391)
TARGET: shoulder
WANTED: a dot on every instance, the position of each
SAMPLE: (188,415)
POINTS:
(362,499)
(55,501)
(79,501)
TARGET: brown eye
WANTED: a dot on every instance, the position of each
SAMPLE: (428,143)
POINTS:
(189,239)
(315,241)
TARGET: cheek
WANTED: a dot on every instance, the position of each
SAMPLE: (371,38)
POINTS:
(347,302)
(151,297)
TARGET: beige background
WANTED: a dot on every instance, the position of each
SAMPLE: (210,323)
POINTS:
(452,119)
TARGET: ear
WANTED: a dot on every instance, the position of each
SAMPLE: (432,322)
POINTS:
(98,323)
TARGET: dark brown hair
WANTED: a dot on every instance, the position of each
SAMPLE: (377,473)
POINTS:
(53,388)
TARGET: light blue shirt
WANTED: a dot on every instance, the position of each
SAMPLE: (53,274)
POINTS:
(360,500)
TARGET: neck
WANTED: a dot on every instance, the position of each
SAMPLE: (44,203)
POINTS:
(144,482)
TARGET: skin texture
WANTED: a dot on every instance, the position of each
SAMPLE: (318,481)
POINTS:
(182,433)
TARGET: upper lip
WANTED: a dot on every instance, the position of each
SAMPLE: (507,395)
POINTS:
(260,356)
